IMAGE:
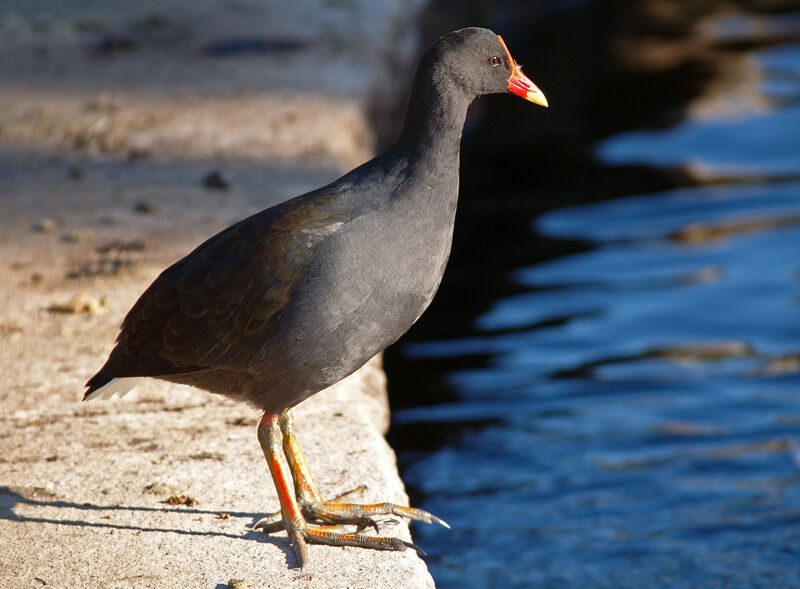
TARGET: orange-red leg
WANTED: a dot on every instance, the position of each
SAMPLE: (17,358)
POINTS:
(305,487)
(270,435)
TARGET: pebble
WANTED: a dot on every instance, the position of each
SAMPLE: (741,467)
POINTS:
(83,302)
(46,225)
(161,488)
(215,181)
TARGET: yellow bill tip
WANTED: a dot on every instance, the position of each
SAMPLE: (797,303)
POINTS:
(537,98)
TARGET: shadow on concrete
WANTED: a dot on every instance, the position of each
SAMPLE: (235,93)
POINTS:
(11,499)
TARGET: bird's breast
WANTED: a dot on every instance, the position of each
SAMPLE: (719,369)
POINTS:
(367,284)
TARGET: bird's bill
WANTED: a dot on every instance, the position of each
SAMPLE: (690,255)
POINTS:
(520,84)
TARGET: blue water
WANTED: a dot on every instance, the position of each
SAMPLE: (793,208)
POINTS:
(632,417)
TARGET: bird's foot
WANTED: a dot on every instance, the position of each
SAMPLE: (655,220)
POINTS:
(274,521)
(301,533)
(336,511)
(301,502)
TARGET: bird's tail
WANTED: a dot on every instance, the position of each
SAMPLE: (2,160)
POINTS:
(104,387)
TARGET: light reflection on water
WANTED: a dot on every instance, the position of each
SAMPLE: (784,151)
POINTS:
(761,142)
(637,423)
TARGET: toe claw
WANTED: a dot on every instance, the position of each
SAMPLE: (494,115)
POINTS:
(300,547)
(423,516)
(371,522)
(438,520)
(415,547)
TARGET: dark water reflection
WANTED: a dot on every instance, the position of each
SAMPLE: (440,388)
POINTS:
(608,394)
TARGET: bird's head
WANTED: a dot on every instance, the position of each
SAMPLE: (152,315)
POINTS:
(479,62)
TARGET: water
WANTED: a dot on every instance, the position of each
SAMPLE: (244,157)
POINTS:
(627,413)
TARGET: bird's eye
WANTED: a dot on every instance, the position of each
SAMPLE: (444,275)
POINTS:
(494,61)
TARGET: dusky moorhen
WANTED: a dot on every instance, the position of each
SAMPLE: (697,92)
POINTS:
(283,304)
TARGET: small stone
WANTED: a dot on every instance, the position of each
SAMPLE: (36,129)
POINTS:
(79,236)
(182,500)
(83,302)
(144,208)
(161,488)
(89,25)
(115,43)
(215,181)
(138,153)
(224,516)
(153,20)
(239,584)
(102,267)
(11,330)
(207,456)
(46,225)
(118,245)
(103,103)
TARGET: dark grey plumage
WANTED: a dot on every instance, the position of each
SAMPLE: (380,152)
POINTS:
(292,299)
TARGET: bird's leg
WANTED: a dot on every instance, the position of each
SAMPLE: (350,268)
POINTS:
(300,532)
(306,489)
(269,435)
(336,511)
(304,485)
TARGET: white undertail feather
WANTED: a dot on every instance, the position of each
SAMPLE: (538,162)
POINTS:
(116,386)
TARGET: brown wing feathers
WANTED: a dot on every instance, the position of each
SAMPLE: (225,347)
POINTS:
(216,307)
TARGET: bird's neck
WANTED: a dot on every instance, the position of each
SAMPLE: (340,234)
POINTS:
(431,135)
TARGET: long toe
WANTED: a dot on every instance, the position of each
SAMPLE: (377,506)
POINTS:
(274,521)
(321,513)
(334,512)
(325,535)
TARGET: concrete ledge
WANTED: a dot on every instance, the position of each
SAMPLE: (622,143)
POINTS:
(101,177)
(85,498)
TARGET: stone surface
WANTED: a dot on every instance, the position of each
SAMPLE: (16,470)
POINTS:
(111,117)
